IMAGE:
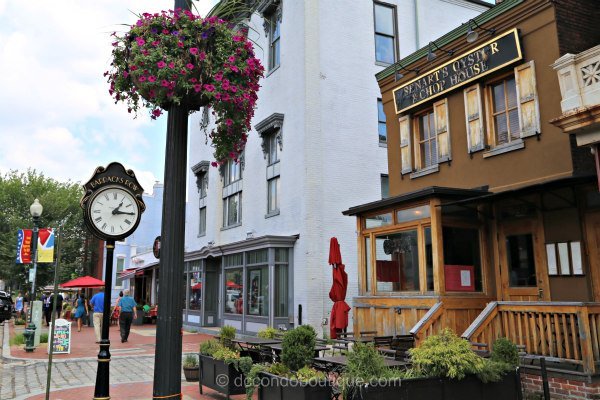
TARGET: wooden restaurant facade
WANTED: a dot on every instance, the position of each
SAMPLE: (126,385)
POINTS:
(493,224)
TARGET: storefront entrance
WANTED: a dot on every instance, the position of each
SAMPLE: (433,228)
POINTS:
(522,273)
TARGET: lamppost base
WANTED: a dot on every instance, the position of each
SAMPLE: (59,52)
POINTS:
(29,336)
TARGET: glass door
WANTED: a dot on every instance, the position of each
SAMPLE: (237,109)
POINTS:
(211,293)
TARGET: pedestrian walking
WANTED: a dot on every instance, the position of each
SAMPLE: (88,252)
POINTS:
(59,304)
(19,304)
(97,304)
(128,313)
(46,307)
(81,310)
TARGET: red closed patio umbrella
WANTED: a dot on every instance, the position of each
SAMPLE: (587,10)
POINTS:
(337,294)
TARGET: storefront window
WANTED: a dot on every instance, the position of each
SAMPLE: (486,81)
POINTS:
(258,293)
(375,221)
(281,290)
(195,301)
(521,262)
(429,258)
(234,287)
(412,214)
(282,255)
(397,263)
(462,259)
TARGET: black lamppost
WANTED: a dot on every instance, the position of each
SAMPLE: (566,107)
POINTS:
(167,361)
(36,211)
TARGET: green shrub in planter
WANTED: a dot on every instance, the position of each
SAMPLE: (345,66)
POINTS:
(226,335)
(268,333)
(209,347)
(298,347)
(505,351)
(190,361)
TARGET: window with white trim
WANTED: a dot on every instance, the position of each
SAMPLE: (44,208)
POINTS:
(429,132)
(381,120)
(232,194)
(120,267)
(512,109)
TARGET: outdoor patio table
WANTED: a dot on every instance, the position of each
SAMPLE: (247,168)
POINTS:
(255,346)
(337,362)
(277,348)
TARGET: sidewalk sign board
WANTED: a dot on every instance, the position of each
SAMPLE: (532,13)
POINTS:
(62,337)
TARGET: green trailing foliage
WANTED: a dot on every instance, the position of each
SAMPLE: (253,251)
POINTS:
(298,347)
(447,355)
(228,355)
(209,347)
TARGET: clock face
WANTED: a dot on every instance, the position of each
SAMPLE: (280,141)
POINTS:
(114,212)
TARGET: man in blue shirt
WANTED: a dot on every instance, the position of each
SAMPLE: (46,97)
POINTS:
(97,302)
(128,312)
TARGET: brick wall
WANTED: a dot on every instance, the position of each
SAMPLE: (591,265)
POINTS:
(577,25)
(560,388)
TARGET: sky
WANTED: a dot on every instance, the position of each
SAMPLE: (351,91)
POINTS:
(56,115)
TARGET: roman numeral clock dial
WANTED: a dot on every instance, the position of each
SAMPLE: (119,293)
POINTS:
(114,212)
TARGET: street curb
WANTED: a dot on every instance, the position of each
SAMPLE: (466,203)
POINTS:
(6,341)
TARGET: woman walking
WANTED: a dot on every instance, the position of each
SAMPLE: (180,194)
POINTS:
(81,311)
(128,313)
(19,306)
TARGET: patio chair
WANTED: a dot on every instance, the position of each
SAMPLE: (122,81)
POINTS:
(383,341)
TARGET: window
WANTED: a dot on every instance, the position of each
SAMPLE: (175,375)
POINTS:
(427,140)
(274,41)
(281,282)
(273,152)
(385,186)
(195,282)
(273,195)
(381,122)
(203,184)
(462,259)
(521,261)
(431,139)
(473,119)
(202,221)
(513,110)
(234,289)
(258,293)
(368,270)
(120,266)
(397,263)
(232,210)
(504,111)
(385,33)
(233,172)
(232,194)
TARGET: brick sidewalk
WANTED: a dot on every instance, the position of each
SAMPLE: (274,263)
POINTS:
(142,341)
(136,391)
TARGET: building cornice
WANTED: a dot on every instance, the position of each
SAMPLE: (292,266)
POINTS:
(242,245)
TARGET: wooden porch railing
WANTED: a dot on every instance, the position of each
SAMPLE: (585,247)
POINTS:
(430,324)
(560,331)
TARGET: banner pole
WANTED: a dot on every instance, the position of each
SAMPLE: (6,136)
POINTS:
(53,312)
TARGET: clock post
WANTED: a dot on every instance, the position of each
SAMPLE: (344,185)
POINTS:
(112,208)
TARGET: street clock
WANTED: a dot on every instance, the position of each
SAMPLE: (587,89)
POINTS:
(112,204)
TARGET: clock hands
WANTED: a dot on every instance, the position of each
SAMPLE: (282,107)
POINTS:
(116,210)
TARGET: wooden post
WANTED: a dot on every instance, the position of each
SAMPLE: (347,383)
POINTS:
(587,356)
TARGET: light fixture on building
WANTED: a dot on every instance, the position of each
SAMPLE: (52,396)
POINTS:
(399,75)
(250,234)
(472,34)
(211,243)
(432,56)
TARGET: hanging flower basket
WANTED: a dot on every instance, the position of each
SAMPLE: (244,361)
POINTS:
(178,58)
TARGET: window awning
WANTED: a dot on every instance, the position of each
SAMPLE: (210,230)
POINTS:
(137,271)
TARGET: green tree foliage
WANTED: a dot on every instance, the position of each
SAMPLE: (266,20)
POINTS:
(298,347)
(61,207)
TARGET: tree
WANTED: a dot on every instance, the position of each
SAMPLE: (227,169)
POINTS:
(61,208)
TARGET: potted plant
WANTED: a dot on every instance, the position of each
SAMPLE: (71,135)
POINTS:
(443,367)
(190,368)
(293,377)
(218,359)
(178,58)
(269,333)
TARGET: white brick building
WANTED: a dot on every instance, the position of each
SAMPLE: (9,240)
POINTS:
(318,106)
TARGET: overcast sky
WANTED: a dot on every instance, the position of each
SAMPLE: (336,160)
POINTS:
(56,115)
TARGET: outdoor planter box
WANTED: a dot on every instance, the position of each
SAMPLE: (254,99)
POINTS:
(470,388)
(212,373)
(192,374)
(273,387)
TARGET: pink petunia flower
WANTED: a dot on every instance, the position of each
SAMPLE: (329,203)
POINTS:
(209,88)
(194,50)
(171,65)
(197,88)
(151,78)
(189,66)
(202,56)
(161,64)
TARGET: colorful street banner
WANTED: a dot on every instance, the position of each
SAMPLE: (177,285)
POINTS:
(45,249)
